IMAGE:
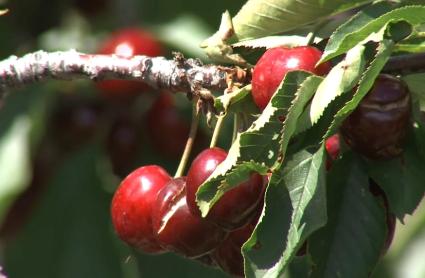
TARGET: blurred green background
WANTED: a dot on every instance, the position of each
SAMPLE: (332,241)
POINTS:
(58,170)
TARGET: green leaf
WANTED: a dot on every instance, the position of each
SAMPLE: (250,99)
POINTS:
(384,51)
(352,241)
(259,147)
(260,18)
(402,178)
(342,78)
(238,101)
(69,233)
(15,166)
(19,117)
(368,23)
(304,177)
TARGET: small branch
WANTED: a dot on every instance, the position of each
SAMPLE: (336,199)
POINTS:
(180,74)
(405,64)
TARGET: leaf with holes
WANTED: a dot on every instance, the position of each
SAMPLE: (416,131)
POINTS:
(369,22)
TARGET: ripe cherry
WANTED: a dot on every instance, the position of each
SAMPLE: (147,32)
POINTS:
(228,254)
(127,43)
(237,206)
(378,126)
(132,207)
(179,230)
(272,67)
(75,120)
(168,131)
(332,146)
(123,144)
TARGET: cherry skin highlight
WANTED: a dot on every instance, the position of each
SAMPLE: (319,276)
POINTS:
(132,207)
(378,126)
(127,43)
(272,67)
(237,206)
(179,230)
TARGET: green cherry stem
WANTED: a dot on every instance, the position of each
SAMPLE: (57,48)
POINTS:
(217,130)
(189,143)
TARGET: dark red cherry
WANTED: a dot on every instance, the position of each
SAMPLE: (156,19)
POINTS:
(168,130)
(123,144)
(378,126)
(272,67)
(228,254)
(127,43)
(132,207)
(238,205)
(179,230)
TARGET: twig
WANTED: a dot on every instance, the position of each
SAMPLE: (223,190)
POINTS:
(179,74)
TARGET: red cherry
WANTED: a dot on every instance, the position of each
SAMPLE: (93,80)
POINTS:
(378,126)
(168,131)
(272,67)
(237,206)
(123,144)
(333,148)
(177,228)
(132,207)
(127,43)
(228,254)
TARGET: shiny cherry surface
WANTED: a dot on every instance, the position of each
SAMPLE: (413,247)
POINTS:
(131,208)
(127,43)
(272,67)
(238,205)
(179,230)
(378,126)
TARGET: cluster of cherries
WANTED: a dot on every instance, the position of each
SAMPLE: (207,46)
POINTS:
(154,212)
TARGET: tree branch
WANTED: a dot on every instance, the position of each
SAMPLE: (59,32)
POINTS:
(180,74)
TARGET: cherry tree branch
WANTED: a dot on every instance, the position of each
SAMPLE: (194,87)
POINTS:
(179,74)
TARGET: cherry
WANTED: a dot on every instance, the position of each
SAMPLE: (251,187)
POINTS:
(238,205)
(179,230)
(132,207)
(127,43)
(168,131)
(123,144)
(332,146)
(228,254)
(75,120)
(272,67)
(378,126)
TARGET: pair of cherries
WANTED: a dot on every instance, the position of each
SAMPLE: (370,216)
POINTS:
(154,212)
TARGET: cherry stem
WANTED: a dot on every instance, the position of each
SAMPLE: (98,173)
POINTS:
(190,140)
(217,130)
(312,35)
(236,123)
